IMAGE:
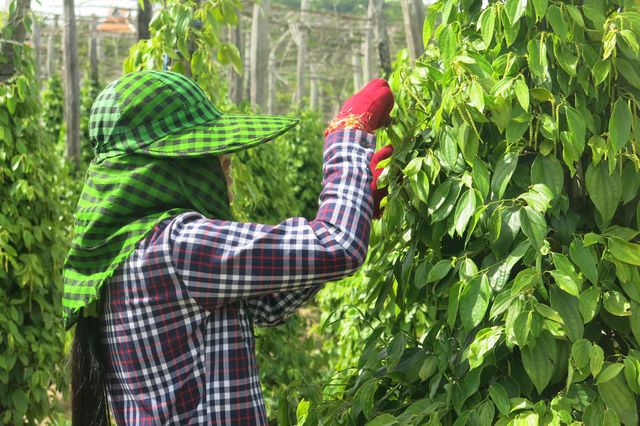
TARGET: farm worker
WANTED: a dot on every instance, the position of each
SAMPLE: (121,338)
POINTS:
(163,285)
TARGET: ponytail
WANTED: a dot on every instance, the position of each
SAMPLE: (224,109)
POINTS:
(88,376)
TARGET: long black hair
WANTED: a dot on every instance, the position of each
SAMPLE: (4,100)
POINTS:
(88,376)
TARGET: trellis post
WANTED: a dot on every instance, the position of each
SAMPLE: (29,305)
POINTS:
(259,54)
(71,85)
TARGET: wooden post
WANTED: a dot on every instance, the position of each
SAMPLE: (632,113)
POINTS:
(235,79)
(259,54)
(71,85)
(302,53)
(357,72)
(271,98)
(380,38)
(94,73)
(50,49)
(144,18)
(313,95)
(37,44)
(412,13)
(367,65)
(15,20)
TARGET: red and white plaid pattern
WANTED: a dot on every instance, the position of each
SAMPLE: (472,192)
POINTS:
(176,315)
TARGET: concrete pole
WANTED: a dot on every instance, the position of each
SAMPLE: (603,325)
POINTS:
(259,54)
(71,85)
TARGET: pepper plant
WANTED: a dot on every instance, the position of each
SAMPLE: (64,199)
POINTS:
(188,32)
(34,221)
(504,283)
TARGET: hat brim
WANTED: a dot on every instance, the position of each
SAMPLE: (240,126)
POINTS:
(226,134)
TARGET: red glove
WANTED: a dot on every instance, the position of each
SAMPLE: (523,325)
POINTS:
(379,193)
(367,110)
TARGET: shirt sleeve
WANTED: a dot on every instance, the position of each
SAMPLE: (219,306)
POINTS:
(278,267)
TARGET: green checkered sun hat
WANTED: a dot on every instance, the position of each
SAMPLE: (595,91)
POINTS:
(153,133)
(165,114)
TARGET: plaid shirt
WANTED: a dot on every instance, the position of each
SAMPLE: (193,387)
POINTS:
(177,314)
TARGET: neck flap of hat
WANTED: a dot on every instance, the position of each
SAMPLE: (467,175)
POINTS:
(123,198)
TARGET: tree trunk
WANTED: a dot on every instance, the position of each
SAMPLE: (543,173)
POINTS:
(235,79)
(380,38)
(302,53)
(15,20)
(71,85)
(94,72)
(144,18)
(259,54)
(412,13)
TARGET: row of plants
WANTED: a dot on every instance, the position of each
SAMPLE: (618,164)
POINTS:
(35,218)
(503,283)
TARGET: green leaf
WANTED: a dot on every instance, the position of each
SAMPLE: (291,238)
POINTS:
(522,328)
(620,124)
(522,93)
(589,303)
(539,361)
(568,308)
(504,170)
(540,7)
(484,341)
(396,349)
(624,251)
(480,176)
(609,372)
(615,303)
(596,359)
(413,167)
(464,211)
(448,147)
(495,224)
(616,395)
(549,171)
(577,127)
(580,352)
(452,306)
(420,186)
(582,257)
(499,396)
(557,21)
(183,21)
(605,190)
(534,226)
(20,403)
(476,95)
(600,71)
(627,71)
(448,44)
(515,9)
(631,179)
(594,10)
(539,197)
(566,282)
(439,271)
(384,419)
(474,302)
(429,23)
(538,62)
(486,26)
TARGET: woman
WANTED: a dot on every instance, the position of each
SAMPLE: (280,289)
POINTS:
(163,285)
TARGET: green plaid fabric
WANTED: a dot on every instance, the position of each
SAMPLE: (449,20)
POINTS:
(165,114)
(149,131)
